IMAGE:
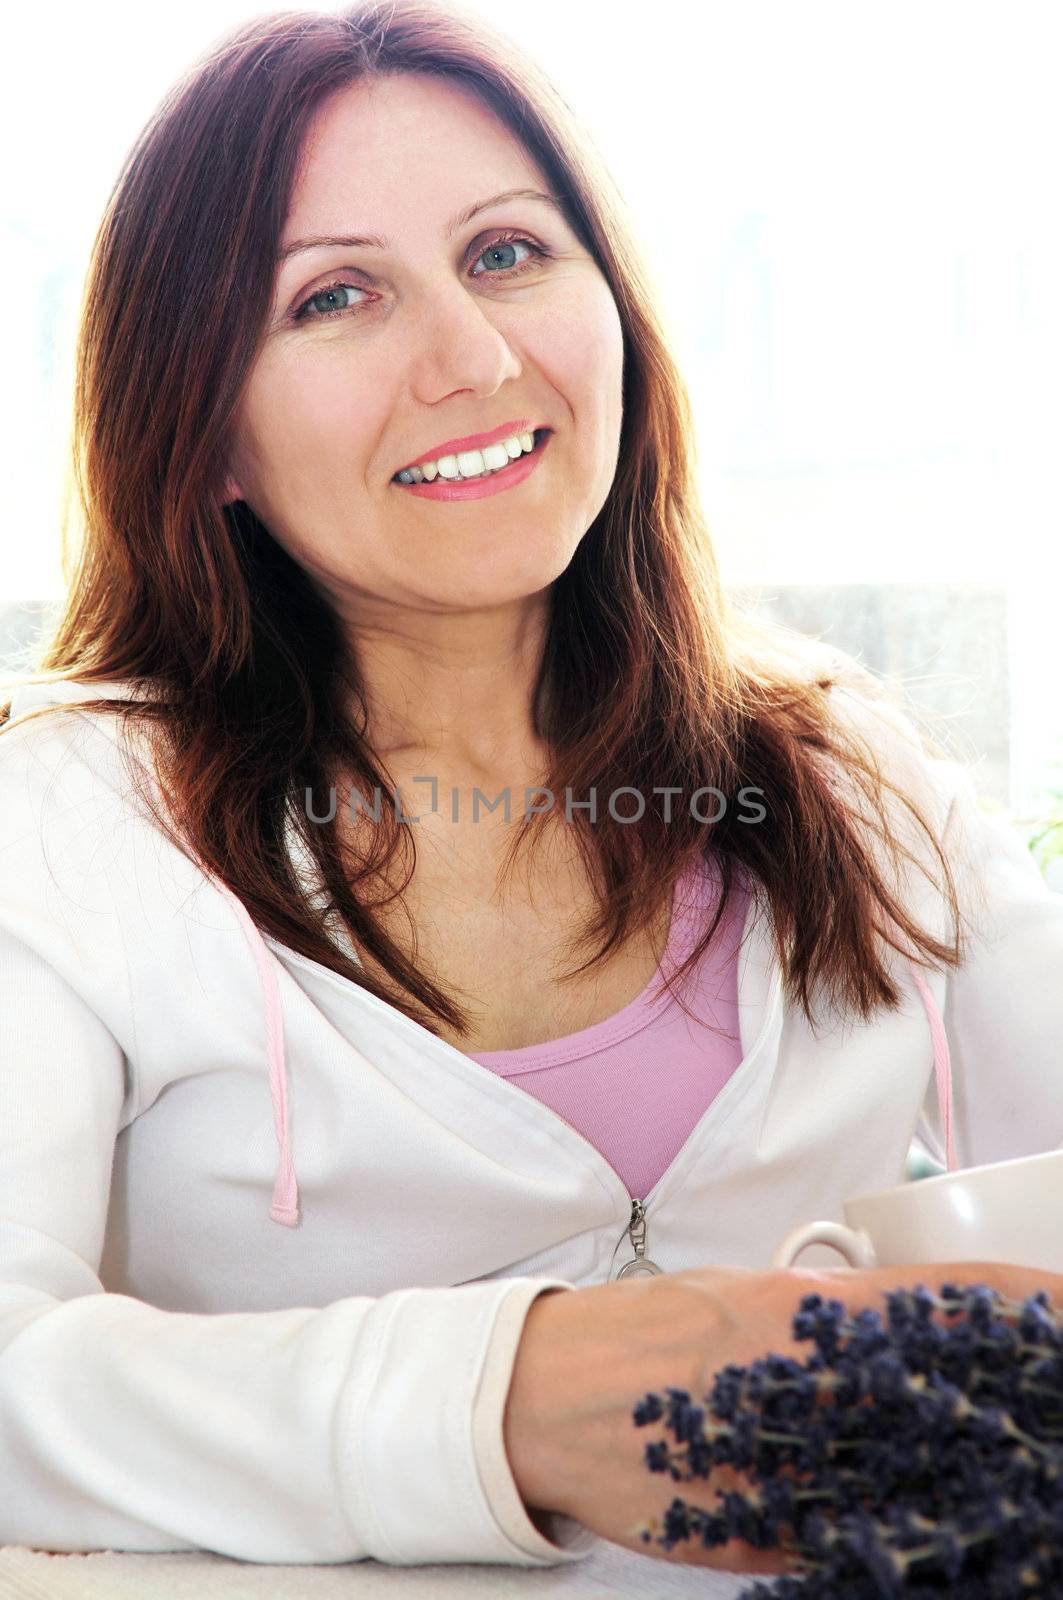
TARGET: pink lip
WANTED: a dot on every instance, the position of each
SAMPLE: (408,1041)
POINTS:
(475,441)
(476,488)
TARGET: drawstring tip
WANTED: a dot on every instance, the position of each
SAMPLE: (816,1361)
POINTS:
(285,1207)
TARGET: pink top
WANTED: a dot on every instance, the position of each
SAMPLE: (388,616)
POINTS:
(636,1084)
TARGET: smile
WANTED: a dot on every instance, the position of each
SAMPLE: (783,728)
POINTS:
(490,482)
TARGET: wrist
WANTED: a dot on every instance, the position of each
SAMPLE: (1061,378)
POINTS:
(534,1406)
(583,1355)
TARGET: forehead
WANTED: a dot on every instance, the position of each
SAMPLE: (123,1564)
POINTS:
(397,148)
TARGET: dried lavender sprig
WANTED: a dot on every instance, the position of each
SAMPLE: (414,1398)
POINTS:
(860,1545)
(920,1432)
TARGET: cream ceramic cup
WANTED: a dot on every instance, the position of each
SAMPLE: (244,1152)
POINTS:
(1011,1211)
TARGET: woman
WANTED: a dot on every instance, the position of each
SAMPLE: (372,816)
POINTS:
(712,996)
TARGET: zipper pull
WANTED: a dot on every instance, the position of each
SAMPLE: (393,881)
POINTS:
(641,1266)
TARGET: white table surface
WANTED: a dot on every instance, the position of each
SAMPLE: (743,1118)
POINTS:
(608,1571)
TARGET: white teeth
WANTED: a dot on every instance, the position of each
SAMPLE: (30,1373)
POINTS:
(470,463)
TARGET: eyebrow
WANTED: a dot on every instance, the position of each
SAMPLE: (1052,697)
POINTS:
(372,241)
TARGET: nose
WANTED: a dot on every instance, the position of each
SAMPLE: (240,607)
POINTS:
(460,347)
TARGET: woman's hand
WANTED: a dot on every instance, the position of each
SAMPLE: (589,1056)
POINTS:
(587,1356)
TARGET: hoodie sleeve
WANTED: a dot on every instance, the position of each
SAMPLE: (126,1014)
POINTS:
(317,1434)
(1003,1011)
(312,1435)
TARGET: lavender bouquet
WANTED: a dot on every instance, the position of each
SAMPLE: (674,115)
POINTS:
(905,1460)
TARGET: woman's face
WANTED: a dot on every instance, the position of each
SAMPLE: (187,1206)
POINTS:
(374,356)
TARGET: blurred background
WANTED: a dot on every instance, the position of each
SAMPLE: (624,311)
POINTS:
(848,211)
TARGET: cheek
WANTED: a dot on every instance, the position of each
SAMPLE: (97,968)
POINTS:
(582,347)
(302,413)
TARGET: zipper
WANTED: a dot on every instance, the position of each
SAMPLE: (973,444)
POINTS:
(640,1266)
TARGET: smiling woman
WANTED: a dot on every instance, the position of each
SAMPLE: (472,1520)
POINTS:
(207,983)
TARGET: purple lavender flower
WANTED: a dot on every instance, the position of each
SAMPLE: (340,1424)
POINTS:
(921,1459)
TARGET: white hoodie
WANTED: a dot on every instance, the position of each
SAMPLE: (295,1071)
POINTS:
(267,1245)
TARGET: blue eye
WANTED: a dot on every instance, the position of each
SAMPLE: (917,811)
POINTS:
(333,291)
(501,245)
(312,309)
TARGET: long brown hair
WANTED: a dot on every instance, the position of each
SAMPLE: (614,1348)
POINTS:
(652,677)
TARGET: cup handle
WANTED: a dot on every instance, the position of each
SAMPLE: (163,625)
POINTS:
(856,1247)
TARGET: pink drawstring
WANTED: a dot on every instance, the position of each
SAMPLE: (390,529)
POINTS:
(285,1207)
(942,1062)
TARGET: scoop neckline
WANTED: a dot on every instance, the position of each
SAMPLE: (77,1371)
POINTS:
(686,918)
